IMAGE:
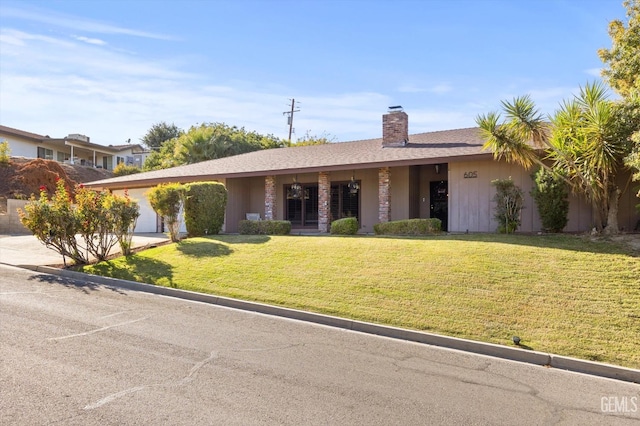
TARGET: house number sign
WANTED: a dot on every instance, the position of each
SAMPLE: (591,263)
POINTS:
(470,175)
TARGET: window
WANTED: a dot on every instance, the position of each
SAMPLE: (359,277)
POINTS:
(344,202)
(45,153)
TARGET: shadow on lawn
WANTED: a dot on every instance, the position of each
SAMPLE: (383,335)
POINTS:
(139,269)
(203,248)
(627,244)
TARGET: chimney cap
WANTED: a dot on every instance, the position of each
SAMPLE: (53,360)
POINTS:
(397,108)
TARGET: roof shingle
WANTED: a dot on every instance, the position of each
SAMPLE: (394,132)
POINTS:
(422,148)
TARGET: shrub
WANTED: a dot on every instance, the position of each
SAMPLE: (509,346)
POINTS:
(204,207)
(552,199)
(166,200)
(102,219)
(409,227)
(4,153)
(345,226)
(264,227)
(123,170)
(509,203)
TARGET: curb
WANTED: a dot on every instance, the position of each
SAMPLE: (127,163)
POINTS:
(489,349)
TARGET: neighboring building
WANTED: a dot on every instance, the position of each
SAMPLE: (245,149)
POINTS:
(443,174)
(72,149)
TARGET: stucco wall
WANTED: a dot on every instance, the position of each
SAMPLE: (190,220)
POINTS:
(21,148)
(10,221)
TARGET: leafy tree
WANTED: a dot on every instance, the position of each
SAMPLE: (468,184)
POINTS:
(163,158)
(584,140)
(167,201)
(552,199)
(160,133)
(218,140)
(623,59)
(207,142)
(309,139)
(622,72)
(123,170)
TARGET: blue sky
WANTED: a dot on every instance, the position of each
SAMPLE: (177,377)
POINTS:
(111,69)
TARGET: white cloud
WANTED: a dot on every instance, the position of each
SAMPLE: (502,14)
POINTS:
(437,89)
(89,40)
(594,72)
(76,23)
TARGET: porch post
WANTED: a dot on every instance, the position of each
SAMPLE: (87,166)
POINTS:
(324,188)
(269,197)
(71,161)
(384,194)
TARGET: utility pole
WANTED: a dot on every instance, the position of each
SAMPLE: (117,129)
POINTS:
(289,115)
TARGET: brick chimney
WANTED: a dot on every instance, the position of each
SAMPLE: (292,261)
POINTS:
(395,127)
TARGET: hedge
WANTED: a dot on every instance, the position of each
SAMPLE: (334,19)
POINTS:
(264,227)
(409,227)
(204,207)
(345,226)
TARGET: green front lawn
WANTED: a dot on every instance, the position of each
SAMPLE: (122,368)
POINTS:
(562,294)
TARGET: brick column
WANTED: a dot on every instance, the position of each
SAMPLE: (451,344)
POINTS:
(270,198)
(384,194)
(324,188)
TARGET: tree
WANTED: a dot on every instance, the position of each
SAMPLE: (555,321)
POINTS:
(217,140)
(622,73)
(123,170)
(584,141)
(163,158)
(623,59)
(159,133)
(309,139)
(167,201)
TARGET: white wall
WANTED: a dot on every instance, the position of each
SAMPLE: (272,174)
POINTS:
(148,218)
(21,148)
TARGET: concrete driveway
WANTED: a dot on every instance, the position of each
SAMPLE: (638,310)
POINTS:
(24,250)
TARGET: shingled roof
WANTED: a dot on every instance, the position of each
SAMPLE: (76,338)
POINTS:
(21,133)
(423,148)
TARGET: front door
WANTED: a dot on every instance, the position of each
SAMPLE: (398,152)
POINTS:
(301,209)
(439,201)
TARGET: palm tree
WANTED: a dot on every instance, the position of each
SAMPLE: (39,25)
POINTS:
(582,142)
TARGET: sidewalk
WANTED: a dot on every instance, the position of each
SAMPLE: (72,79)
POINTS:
(22,250)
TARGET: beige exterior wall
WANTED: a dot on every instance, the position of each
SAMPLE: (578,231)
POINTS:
(471,206)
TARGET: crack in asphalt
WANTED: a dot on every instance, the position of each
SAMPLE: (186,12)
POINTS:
(172,383)
(97,330)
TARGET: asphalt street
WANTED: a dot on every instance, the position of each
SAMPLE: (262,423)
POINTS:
(78,353)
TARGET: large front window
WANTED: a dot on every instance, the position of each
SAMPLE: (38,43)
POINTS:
(345,201)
